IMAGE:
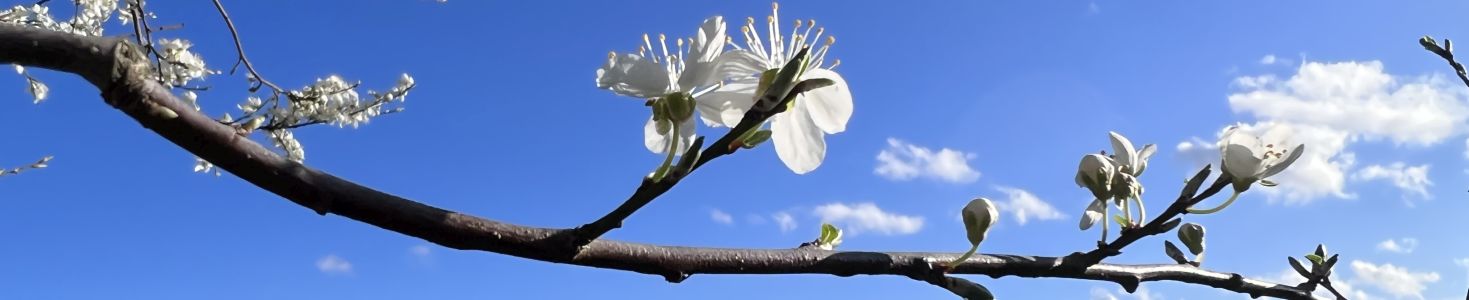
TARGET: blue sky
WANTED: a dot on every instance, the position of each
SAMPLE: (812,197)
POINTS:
(1005,96)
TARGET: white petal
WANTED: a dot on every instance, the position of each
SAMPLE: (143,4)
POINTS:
(797,141)
(1093,214)
(739,64)
(628,74)
(708,44)
(656,142)
(1282,164)
(830,106)
(1240,162)
(727,105)
(1142,158)
(1125,154)
(686,129)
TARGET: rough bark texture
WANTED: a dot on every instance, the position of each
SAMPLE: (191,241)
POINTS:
(121,73)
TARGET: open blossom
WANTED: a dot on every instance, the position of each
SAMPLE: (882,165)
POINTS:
(654,73)
(1248,159)
(798,133)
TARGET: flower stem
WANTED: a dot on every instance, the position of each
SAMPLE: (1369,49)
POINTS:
(1106,219)
(1142,212)
(1126,212)
(964,257)
(667,160)
(1216,209)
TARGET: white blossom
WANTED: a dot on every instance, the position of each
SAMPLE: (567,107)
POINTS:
(179,65)
(286,141)
(798,133)
(1248,159)
(656,73)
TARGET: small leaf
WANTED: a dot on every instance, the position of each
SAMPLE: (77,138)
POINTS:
(830,237)
(755,138)
(1193,184)
(1168,226)
(1430,44)
(1120,220)
(690,156)
(1330,262)
(1315,259)
(1296,264)
(1321,250)
(1174,253)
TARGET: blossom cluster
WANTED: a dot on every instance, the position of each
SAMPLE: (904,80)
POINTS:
(723,80)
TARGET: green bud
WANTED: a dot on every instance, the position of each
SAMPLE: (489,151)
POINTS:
(679,106)
(1192,236)
(755,138)
(830,237)
(1430,44)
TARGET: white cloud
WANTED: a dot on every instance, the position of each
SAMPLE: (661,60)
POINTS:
(1360,98)
(785,221)
(721,217)
(331,264)
(419,250)
(1403,245)
(1024,206)
(902,161)
(1409,179)
(1269,59)
(1392,279)
(1329,106)
(867,217)
(1099,293)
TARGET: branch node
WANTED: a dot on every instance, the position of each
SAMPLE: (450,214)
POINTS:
(676,276)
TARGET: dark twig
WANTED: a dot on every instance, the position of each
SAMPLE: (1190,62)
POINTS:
(240,48)
(1179,207)
(1326,282)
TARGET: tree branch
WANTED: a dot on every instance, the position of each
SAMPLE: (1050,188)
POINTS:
(120,71)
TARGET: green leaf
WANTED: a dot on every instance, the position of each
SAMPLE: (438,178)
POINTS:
(1167,226)
(690,156)
(755,138)
(1315,259)
(830,237)
(1321,250)
(1173,252)
(1120,220)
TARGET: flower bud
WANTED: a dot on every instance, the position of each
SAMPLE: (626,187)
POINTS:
(979,215)
(1192,236)
(1095,173)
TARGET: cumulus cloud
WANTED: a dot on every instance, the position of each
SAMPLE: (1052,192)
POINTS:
(1394,280)
(721,217)
(867,217)
(902,161)
(784,220)
(1412,180)
(332,264)
(1329,106)
(1024,206)
(1269,59)
(1403,245)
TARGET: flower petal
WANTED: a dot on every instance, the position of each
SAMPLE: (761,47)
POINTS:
(705,48)
(1142,158)
(1126,155)
(632,75)
(830,106)
(738,64)
(1093,214)
(1241,162)
(656,142)
(727,105)
(798,143)
(1282,164)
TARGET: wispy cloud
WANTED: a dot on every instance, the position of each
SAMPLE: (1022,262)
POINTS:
(719,216)
(1024,206)
(1403,245)
(1413,180)
(867,217)
(902,161)
(332,264)
(784,220)
(1392,279)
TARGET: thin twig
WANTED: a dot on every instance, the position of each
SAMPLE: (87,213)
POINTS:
(240,48)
